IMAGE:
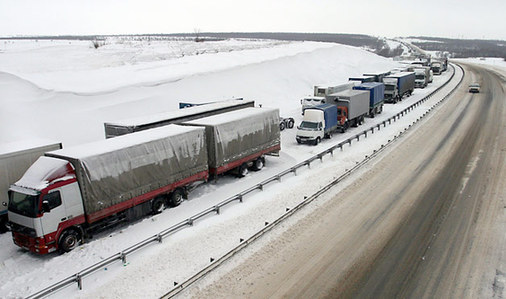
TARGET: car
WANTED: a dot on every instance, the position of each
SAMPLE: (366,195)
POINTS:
(474,87)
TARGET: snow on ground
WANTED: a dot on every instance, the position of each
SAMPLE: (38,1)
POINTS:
(274,74)
(488,61)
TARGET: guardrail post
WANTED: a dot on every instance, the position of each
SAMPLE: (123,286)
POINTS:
(123,258)
(79,281)
(239,197)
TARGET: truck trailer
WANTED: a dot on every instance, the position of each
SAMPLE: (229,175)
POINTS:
(399,85)
(15,158)
(239,140)
(71,193)
(127,126)
(319,122)
(376,96)
(378,76)
(352,107)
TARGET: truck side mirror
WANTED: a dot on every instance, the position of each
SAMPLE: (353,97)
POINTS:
(45,206)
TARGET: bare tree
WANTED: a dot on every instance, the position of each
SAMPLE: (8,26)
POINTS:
(197,32)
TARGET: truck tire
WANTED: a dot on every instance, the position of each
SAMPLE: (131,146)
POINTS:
(176,197)
(291,123)
(158,205)
(258,164)
(316,141)
(242,170)
(69,240)
(282,126)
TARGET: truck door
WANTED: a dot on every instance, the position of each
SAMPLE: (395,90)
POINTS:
(53,213)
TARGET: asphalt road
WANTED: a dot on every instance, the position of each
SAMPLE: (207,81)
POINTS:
(427,221)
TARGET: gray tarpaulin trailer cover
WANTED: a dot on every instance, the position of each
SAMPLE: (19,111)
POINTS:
(113,171)
(240,134)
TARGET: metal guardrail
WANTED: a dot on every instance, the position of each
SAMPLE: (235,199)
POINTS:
(121,256)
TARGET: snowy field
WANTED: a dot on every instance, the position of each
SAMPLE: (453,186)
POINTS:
(65,91)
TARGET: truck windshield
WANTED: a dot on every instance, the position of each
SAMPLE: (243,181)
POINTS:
(307,125)
(26,205)
(420,77)
(389,87)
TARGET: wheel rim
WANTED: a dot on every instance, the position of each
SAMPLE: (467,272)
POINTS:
(259,164)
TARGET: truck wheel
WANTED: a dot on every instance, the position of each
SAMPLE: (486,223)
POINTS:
(69,240)
(176,197)
(298,141)
(291,123)
(258,164)
(158,205)
(242,170)
(281,126)
(317,140)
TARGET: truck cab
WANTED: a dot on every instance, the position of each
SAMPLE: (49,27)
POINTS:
(45,207)
(311,129)
(391,90)
(420,78)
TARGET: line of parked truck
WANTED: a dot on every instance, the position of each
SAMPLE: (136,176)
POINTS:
(57,197)
(338,107)
(70,193)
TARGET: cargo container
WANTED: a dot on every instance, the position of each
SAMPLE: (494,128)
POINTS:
(127,126)
(376,96)
(239,140)
(71,193)
(352,107)
(319,122)
(15,158)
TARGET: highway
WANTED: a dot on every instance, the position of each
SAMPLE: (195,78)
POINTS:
(427,220)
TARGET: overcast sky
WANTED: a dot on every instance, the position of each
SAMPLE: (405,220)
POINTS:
(484,19)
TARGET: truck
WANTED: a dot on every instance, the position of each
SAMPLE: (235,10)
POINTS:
(378,76)
(319,122)
(398,85)
(71,193)
(320,93)
(437,67)
(239,140)
(352,107)
(136,124)
(376,96)
(15,158)
(422,75)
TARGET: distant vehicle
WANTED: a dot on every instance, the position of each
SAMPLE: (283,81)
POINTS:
(436,67)
(286,123)
(422,76)
(15,158)
(474,88)
(398,85)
